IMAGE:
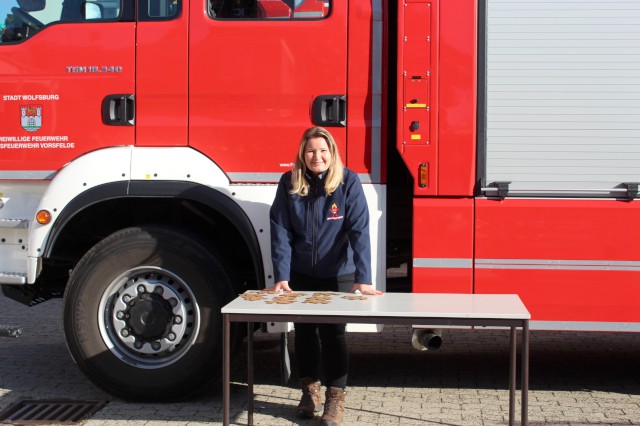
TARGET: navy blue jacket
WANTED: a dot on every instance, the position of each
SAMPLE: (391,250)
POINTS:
(319,235)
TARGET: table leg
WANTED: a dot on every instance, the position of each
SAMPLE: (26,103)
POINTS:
(250,371)
(525,374)
(226,367)
(512,375)
(285,361)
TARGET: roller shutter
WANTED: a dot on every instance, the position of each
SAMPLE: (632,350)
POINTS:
(562,97)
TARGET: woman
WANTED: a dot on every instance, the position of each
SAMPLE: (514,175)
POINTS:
(320,242)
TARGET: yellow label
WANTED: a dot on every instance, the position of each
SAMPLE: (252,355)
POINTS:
(416,137)
(416,105)
(148,176)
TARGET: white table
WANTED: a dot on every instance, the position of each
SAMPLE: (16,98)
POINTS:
(431,309)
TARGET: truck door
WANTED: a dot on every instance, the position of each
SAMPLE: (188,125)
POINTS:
(258,72)
(66,80)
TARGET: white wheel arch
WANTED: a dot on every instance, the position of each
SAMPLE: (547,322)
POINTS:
(117,164)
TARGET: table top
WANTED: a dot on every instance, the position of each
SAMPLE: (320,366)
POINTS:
(425,305)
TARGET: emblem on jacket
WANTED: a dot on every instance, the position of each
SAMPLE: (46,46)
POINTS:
(31,117)
(334,212)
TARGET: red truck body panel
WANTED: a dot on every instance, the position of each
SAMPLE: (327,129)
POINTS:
(62,72)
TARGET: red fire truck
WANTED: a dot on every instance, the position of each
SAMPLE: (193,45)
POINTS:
(141,142)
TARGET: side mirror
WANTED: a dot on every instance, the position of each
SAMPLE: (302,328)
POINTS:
(32,5)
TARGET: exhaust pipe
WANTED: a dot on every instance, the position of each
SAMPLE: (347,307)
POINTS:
(425,339)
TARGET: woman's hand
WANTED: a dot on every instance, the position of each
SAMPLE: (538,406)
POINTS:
(282,286)
(365,289)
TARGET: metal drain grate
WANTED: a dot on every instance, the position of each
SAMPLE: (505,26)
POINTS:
(43,412)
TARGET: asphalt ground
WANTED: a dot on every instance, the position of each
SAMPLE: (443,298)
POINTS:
(575,379)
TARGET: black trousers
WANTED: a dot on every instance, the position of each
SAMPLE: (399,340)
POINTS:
(322,347)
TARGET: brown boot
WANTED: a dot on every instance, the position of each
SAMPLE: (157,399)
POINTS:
(310,403)
(334,407)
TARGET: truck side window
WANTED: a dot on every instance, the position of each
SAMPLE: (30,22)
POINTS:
(269,9)
(158,10)
(21,19)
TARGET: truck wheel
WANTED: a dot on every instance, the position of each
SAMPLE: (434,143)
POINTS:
(142,314)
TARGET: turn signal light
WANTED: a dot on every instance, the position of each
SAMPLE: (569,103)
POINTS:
(423,175)
(43,217)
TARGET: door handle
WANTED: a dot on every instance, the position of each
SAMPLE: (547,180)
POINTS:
(118,110)
(329,111)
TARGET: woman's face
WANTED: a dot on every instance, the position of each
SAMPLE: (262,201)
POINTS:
(317,156)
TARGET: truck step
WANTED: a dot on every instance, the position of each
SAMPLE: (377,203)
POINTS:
(13,278)
(14,223)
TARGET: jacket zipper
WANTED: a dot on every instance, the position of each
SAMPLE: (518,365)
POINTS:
(314,230)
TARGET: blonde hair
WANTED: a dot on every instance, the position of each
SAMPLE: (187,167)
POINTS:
(299,184)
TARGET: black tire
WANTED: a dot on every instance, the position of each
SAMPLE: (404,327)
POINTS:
(142,314)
